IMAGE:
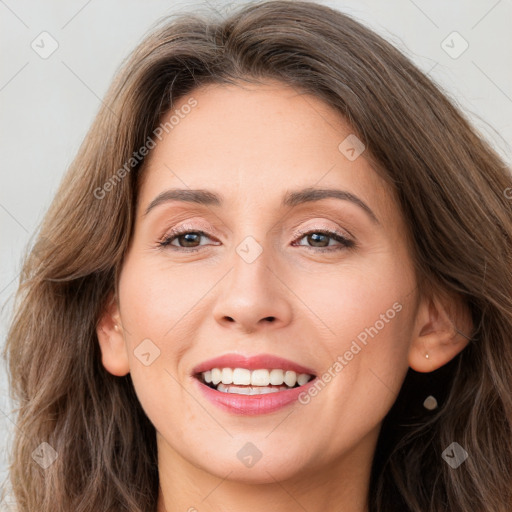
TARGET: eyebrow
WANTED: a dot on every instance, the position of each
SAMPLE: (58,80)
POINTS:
(290,199)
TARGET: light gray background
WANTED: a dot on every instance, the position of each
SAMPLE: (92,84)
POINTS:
(47,105)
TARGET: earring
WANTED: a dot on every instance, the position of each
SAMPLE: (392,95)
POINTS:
(426,355)
(116,327)
(430,403)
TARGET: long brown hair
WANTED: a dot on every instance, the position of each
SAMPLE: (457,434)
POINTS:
(451,189)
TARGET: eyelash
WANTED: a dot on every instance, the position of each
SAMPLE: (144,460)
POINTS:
(345,242)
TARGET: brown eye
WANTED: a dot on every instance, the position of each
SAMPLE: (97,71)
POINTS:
(321,239)
(185,240)
(189,239)
(318,239)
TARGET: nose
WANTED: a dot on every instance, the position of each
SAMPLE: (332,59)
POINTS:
(253,297)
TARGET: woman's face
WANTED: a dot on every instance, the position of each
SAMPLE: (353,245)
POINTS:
(265,278)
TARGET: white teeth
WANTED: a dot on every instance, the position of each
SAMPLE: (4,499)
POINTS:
(227,375)
(241,376)
(276,377)
(290,379)
(302,379)
(216,376)
(261,378)
(249,390)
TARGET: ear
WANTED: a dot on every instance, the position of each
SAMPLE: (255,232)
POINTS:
(442,329)
(111,339)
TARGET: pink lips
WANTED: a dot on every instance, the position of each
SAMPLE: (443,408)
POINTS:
(248,405)
(260,361)
(251,404)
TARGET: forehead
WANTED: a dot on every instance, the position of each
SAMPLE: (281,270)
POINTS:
(251,143)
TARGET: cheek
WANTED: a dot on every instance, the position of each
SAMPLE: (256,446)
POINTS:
(362,302)
(153,306)
(365,318)
(156,297)
(362,375)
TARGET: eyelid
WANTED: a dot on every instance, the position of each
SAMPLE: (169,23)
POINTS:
(341,232)
(175,232)
(189,225)
(344,242)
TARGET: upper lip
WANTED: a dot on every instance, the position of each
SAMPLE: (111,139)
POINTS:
(254,362)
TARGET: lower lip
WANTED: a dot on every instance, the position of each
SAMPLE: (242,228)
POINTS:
(252,404)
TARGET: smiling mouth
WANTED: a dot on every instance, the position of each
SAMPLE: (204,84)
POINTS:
(242,381)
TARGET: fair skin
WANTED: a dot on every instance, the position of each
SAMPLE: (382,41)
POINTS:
(251,144)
